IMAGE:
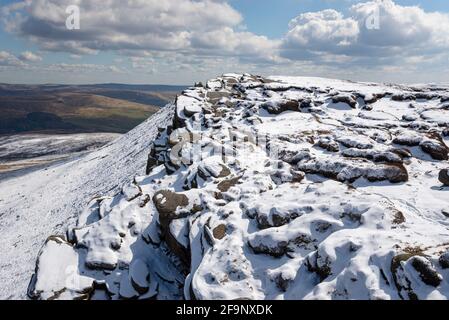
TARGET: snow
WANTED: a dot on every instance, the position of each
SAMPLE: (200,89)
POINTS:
(49,200)
(317,202)
(20,153)
(58,261)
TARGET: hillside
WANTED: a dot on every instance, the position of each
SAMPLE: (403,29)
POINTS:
(49,200)
(257,188)
(74,109)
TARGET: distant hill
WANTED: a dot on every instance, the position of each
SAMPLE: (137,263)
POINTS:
(80,108)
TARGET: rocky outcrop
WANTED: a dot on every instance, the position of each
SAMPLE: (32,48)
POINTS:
(267,189)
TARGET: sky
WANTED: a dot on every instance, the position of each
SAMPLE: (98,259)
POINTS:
(184,41)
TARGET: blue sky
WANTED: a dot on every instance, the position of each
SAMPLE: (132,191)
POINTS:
(182,41)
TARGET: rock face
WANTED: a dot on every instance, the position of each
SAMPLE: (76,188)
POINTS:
(279,188)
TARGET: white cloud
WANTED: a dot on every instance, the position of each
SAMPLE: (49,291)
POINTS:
(403,31)
(7,59)
(29,56)
(197,27)
(326,29)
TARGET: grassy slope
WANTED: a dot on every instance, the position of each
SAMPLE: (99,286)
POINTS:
(88,111)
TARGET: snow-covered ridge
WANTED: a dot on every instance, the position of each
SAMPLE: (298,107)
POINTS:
(273,188)
(50,200)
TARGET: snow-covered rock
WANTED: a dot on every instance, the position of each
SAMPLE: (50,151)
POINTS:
(273,188)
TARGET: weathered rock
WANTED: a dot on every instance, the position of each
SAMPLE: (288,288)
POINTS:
(215,97)
(151,164)
(349,99)
(191,110)
(374,98)
(444,260)
(167,203)
(328,144)
(219,232)
(177,238)
(172,208)
(407,140)
(283,282)
(436,149)
(403,97)
(316,264)
(402,283)
(398,217)
(276,250)
(347,171)
(280,107)
(427,271)
(225,185)
(444,177)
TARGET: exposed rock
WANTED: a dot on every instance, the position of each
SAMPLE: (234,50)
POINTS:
(277,249)
(328,144)
(168,202)
(370,99)
(376,156)
(403,97)
(280,107)
(435,147)
(444,177)
(283,282)
(444,260)
(398,217)
(219,232)
(408,139)
(151,164)
(225,185)
(402,283)
(426,270)
(349,99)
(445,213)
(176,237)
(344,171)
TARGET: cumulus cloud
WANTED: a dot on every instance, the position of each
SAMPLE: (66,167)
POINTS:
(327,30)
(7,59)
(29,56)
(196,27)
(398,31)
